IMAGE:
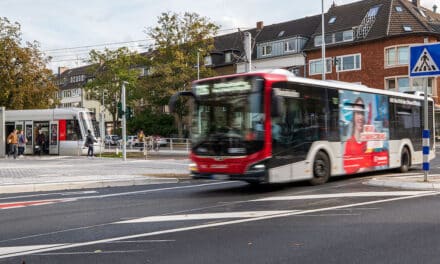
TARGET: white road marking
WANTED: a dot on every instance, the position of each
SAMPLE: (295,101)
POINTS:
(47,194)
(340,195)
(204,226)
(10,250)
(184,217)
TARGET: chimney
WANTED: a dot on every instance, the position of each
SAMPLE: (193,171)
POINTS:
(61,70)
(416,3)
(260,25)
(434,8)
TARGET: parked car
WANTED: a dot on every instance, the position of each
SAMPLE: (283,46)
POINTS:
(131,141)
(112,140)
(162,141)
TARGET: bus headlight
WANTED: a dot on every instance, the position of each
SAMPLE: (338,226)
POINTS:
(193,168)
(258,167)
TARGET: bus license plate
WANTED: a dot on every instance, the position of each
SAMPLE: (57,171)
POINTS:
(220,176)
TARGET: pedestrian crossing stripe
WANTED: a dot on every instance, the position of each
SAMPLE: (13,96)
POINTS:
(425,63)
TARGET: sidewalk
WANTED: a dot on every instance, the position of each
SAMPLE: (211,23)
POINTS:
(410,181)
(48,173)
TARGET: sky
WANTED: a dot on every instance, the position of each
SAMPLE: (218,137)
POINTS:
(68,30)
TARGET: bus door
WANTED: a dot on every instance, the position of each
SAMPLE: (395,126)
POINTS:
(28,131)
(54,142)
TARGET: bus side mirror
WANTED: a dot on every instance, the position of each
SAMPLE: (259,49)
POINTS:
(173,100)
(277,106)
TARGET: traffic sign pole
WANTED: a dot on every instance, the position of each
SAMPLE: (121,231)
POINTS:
(425,132)
(424,62)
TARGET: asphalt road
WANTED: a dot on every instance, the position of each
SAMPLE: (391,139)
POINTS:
(343,221)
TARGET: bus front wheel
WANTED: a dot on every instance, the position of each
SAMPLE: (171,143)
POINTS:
(321,169)
(405,160)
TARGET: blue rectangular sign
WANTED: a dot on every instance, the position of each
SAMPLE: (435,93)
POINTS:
(424,60)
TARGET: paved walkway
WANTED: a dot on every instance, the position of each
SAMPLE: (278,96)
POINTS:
(46,173)
(33,173)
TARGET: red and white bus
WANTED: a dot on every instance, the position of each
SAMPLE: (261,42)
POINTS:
(271,126)
(64,129)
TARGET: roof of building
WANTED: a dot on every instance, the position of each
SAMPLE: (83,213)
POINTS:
(376,19)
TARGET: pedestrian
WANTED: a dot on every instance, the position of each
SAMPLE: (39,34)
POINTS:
(13,142)
(141,137)
(21,143)
(90,139)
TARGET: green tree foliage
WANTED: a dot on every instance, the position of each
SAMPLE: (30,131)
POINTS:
(152,123)
(110,68)
(25,82)
(177,41)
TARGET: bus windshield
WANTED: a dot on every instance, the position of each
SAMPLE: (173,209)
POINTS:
(228,118)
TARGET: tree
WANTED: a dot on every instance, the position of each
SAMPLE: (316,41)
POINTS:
(178,39)
(109,69)
(25,82)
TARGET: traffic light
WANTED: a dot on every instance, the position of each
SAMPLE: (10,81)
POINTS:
(129,113)
(120,111)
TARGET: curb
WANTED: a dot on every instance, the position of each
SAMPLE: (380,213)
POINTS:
(424,186)
(57,186)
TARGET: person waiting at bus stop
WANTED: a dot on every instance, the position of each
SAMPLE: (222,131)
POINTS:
(13,142)
(90,140)
(141,137)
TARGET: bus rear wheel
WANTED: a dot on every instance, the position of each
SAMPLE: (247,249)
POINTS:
(321,169)
(405,160)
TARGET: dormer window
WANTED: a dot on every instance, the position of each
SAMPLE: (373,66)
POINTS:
(407,28)
(332,20)
(281,34)
(399,9)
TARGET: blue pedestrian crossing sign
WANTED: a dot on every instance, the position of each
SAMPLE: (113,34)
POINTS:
(424,60)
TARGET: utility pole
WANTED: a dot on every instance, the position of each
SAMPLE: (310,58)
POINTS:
(247,43)
(124,124)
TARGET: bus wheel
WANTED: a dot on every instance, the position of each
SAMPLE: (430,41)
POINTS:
(405,160)
(321,169)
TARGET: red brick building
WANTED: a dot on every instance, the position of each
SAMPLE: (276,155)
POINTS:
(368,42)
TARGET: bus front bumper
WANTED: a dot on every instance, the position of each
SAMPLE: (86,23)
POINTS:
(252,177)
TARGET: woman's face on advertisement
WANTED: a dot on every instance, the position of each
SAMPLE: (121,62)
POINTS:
(359,118)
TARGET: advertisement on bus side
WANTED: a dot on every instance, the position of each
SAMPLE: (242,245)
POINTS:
(364,130)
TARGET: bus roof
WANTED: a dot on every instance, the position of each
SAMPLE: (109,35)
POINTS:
(289,76)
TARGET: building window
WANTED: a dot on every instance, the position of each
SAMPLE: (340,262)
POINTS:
(208,60)
(337,37)
(348,62)
(417,85)
(403,84)
(407,28)
(290,46)
(373,11)
(399,9)
(266,50)
(228,57)
(397,56)
(332,20)
(315,66)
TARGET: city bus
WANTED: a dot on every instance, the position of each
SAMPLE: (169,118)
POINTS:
(64,130)
(273,127)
